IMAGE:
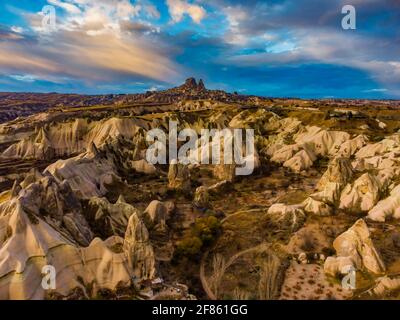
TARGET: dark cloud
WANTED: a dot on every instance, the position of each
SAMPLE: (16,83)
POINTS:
(280,47)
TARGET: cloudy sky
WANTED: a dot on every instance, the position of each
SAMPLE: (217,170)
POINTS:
(285,48)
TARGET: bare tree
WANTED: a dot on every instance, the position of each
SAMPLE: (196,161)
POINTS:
(268,285)
(219,267)
(239,294)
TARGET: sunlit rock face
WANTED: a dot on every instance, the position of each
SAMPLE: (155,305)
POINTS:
(138,249)
(284,216)
(354,248)
(362,195)
(179,177)
(77,193)
(44,225)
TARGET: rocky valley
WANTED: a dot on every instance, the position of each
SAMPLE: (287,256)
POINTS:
(78,194)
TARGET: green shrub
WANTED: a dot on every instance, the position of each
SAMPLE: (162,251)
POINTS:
(190,246)
(203,233)
(206,229)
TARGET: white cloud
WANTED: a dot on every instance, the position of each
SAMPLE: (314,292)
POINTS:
(24,78)
(178,8)
(69,7)
(95,16)
(375,90)
(91,43)
(152,11)
(17,29)
(76,55)
(234,16)
(336,48)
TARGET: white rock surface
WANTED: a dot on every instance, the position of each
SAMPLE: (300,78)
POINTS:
(354,248)
(87,174)
(286,216)
(362,195)
(156,213)
(71,137)
(387,208)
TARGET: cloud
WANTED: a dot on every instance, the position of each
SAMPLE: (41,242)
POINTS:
(376,90)
(17,29)
(69,7)
(178,8)
(94,16)
(335,48)
(128,41)
(81,56)
(152,11)
(95,41)
(287,32)
(24,78)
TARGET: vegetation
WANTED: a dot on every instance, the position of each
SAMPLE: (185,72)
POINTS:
(268,287)
(202,234)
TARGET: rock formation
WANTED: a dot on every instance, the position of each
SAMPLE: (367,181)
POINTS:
(201,198)
(387,208)
(77,194)
(155,214)
(138,249)
(286,217)
(44,227)
(179,177)
(88,174)
(110,219)
(354,248)
(362,195)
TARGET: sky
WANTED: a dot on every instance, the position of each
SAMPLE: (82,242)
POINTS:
(276,48)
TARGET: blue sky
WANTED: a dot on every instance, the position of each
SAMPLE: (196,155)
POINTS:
(280,48)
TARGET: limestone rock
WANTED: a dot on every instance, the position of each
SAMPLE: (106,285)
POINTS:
(362,195)
(70,137)
(138,249)
(355,248)
(370,150)
(33,176)
(142,166)
(87,174)
(110,219)
(32,243)
(156,214)
(387,208)
(339,171)
(225,172)
(316,207)
(254,119)
(285,153)
(16,188)
(329,195)
(201,198)
(302,160)
(307,144)
(290,217)
(179,177)
(56,203)
(385,286)
(350,147)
